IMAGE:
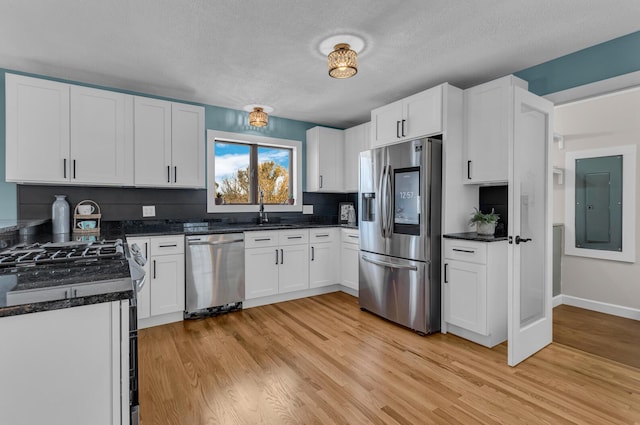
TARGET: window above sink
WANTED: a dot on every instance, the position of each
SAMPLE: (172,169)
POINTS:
(239,166)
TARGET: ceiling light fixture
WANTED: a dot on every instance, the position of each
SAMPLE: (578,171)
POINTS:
(342,62)
(258,117)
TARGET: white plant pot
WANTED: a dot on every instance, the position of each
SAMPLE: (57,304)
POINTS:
(487,229)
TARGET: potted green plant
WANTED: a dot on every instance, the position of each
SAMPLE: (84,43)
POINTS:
(485,223)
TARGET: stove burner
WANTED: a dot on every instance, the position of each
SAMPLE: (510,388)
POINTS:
(32,254)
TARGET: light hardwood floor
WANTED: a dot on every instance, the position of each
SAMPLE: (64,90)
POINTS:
(611,337)
(321,360)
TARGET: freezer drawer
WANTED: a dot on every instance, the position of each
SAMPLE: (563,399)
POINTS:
(399,290)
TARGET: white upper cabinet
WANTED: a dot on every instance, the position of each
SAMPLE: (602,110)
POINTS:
(356,140)
(101,136)
(37,134)
(325,160)
(169,144)
(488,112)
(412,117)
(62,133)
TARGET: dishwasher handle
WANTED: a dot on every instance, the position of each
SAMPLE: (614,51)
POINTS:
(191,242)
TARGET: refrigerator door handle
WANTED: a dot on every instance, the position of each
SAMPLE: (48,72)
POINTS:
(388,264)
(388,203)
(383,201)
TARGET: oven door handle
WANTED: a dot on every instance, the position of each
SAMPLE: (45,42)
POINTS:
(388,264)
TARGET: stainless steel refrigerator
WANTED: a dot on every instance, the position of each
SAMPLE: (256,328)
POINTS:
(399,203)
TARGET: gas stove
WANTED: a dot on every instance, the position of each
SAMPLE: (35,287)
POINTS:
(64,252)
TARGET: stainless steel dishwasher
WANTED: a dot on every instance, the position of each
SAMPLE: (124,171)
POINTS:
(214,274)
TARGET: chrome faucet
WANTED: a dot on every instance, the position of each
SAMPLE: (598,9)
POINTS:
(262,216)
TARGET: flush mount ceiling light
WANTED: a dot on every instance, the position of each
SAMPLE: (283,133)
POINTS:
(258,115)
(342,62)
(342,56)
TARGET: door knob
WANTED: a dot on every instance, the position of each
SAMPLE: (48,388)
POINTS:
(521,240)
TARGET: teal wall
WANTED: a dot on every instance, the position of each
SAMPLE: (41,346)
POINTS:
(216,118)
(606,60)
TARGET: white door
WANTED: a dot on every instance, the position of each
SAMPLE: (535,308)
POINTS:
(422,114)
(293,273)
(385,124)
(167,284)
(187,145)
(152,142)
(99,140)
(465,295)
(261,271)
(529,289)
(37,134)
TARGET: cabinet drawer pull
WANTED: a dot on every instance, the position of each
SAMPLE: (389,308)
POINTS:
(168,246)
(464,250)
(262,239)
(294,237)
(323,236)
(353,236)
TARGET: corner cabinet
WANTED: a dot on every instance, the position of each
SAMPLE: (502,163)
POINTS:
(161,299)
(66,134)
(325,160)
(475,290)
(169,144)
(412,117)
(488,111)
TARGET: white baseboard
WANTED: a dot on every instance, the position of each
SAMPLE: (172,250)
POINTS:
(601,307)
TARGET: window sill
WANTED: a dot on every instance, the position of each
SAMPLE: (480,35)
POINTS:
(234,208)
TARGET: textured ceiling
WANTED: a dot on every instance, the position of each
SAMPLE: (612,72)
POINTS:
(236,52)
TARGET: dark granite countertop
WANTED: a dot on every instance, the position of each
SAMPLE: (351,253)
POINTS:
(163,229)
(8,226)
(473,236)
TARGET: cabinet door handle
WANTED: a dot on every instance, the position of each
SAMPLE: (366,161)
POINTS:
(276,257)
(313,253)
(175,174)
(321,182)
(168,174)
(74,168)
(446,267)
(469,170)
(154,269)
(520,240)
(398,129)
(403,121)
(281,256)
(146,253)
(64,168)
(468,251)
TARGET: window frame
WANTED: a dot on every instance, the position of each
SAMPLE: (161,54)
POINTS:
(249,139)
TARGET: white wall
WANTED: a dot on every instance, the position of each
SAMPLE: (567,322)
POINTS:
(611,120)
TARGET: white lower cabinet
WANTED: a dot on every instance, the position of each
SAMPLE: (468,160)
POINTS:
(65,366)
(276,262)
(475,290)
(323,261)
(161,299)
(349,258)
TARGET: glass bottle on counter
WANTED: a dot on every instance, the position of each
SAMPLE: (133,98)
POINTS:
(60,215)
